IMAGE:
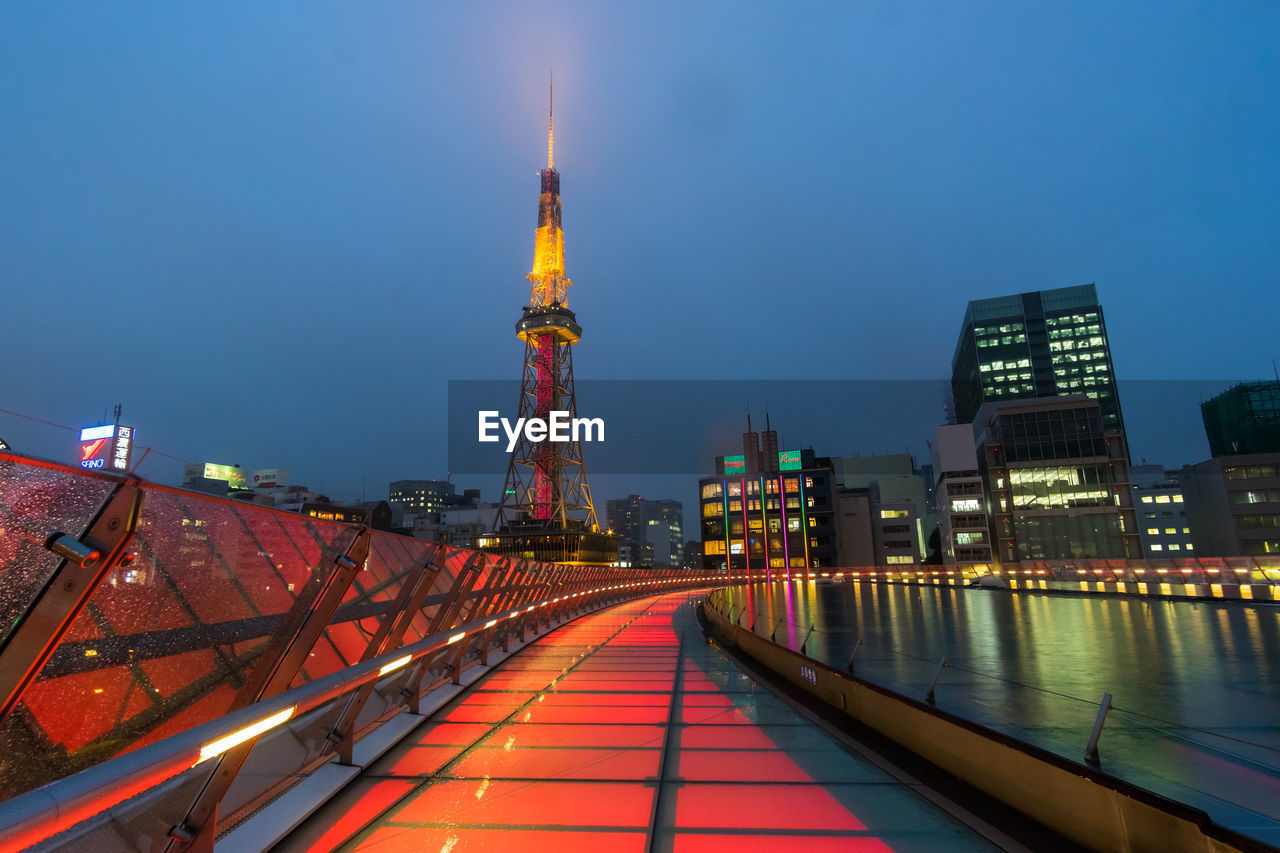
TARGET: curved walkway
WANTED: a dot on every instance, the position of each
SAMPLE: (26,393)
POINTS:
(625,731)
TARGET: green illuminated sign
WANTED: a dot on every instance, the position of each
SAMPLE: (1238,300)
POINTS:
(233,475)
(735,466)
(788,460)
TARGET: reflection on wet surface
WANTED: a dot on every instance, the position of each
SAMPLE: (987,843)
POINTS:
(622,728)
(1196,685)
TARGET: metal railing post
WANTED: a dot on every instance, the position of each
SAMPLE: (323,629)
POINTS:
(942,664)
(390,632)
(857,645)
(805,641)
(445,615)
(1091,751)
(197,830)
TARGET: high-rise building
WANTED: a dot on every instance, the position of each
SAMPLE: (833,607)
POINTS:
(1046,343)
(1244,419)
(652,530)
(1057,482)
(546,511)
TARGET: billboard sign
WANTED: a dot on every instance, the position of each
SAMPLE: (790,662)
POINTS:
(234,476)
(788,460)
(108,446)
(269,477)
(735,466)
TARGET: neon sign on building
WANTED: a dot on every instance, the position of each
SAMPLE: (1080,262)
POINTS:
(109,446)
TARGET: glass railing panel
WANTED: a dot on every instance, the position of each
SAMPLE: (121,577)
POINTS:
(182,636)
(37,499)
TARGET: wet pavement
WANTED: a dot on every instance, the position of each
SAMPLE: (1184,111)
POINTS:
(626,731)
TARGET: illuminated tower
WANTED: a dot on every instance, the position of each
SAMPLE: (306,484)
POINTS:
(546,488)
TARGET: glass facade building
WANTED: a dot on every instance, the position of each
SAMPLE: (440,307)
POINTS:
(1057,481)
(1046,343)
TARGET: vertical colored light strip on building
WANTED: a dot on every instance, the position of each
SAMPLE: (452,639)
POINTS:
(804,530)
(746,530)
(728,549)
(764,515)
(782,503)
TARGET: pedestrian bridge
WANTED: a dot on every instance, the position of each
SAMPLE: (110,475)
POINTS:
(179,671)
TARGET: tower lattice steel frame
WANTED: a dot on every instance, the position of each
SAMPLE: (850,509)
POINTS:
(546,485)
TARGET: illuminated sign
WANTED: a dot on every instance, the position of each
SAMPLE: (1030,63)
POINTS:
(735,465)
(265,477)
(108,446)
(123,449)
(788,460)
(234,476)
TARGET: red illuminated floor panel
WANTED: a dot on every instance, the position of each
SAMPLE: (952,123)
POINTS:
(762,807)
(605,699)
(401,839)
(452,734)
(571,684)
(563,752)
(591,714)
(534,734)
(419,761)
(551,763)
(553,803)
(756,843)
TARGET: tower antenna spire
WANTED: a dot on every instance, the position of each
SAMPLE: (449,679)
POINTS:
(551,122)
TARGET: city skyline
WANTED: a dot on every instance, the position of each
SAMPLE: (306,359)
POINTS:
(263,254)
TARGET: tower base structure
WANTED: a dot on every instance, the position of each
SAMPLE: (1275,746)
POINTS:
(575,546)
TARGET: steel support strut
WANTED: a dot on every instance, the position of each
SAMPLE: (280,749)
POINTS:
(85,562)
(197,831)
(446,615)
(391,629)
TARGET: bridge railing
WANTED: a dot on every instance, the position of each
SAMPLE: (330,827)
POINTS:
(1156,735)
(134,612)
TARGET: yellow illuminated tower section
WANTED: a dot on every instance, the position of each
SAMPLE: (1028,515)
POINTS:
(546,501)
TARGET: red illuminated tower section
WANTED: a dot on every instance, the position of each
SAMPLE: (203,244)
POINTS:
(546,498)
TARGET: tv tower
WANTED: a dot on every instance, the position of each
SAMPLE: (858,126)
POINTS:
(546,498)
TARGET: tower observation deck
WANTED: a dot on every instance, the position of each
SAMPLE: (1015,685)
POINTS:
(546,510)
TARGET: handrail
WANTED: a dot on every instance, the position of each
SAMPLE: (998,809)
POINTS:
(38,814)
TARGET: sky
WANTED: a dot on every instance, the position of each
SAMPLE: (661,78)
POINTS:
(274,232)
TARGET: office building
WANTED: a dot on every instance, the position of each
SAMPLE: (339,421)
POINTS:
(1162,513)
(892,479)
(1046,343)
(1233,505)
(963,526)
(653,530)
(1057,481)
(426,499)
(776,523)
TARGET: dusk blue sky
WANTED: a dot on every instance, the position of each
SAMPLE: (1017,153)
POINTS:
(274,231)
